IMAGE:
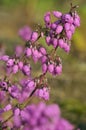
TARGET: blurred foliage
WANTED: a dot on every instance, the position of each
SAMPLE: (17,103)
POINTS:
(11,2)
(68,90)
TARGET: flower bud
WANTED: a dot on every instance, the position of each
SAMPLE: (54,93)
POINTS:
(61,43)
(18,51)
(44,68)
(67,26)
(55,42)
(76,22)
(15,69)
(59,29)
(43,93)
(43,59)
(20,65)
(5,57)
(26,70)
(48,40)
(10,62)
(72,28)
(28,52)
(58,69)
(69,34)
(43,50)
(25,33)
(4,85)
(34,36)
(47,17)
(51,68)
(53,26)
(31,85)
(57,14)
(66,47)
(8,107)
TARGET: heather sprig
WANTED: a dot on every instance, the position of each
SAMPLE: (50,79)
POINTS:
(57,33)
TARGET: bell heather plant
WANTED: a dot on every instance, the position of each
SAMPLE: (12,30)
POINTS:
(15,111)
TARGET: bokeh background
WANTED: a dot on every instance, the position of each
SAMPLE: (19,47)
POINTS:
(69,89)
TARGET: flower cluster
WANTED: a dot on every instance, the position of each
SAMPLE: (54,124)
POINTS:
(48,64)
(17,84)
(24,89)
(13,65)
(60,31)
(38,117)
(25,33)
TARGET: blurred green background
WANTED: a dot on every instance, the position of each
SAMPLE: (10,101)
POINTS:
(69,89)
